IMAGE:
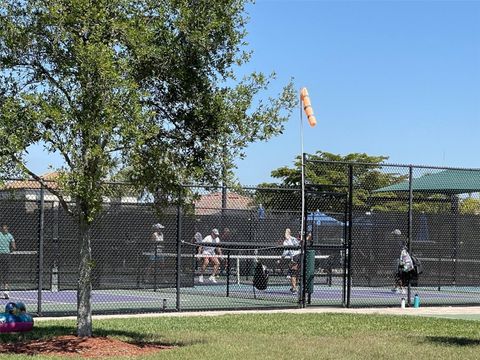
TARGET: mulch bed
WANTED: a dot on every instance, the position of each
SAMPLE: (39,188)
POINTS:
(88,347)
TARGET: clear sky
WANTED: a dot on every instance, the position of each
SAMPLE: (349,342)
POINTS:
(394,78)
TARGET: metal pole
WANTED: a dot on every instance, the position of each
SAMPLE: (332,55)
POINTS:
(350,224)
(454,209)
(228,273)
(410,224)
(179,251)
(301,297)
(345,251)
(303,168)
(155,267)
(224,187)
(303,252)
(40,249)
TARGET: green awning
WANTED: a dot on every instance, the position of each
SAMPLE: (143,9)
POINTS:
(442,182)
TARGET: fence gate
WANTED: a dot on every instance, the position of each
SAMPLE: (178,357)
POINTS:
(326,215)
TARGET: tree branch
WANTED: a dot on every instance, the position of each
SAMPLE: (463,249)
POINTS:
(44,184)
(60,148)
(41,68)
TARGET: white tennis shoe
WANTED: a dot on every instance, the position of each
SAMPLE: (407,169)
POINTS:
(200,278)
(212,279)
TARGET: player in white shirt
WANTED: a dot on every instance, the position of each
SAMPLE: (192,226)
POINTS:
(294,256)
(211,254)
(156,248)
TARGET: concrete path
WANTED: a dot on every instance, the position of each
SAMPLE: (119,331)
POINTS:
(423,311)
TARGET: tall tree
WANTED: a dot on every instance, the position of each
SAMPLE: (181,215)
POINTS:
(322,171)
(146,85)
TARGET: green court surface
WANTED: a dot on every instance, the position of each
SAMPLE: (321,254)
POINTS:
(474,317)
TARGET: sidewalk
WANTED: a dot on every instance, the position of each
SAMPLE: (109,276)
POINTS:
(423,311)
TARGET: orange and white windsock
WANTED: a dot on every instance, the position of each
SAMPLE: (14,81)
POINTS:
(307,107)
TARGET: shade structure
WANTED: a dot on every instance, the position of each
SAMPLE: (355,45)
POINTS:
(442,182)
(319,218)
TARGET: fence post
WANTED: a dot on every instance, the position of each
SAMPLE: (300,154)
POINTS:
(303,259)
(410,224)
(350,224)
(179,250)
(346,225)
(40,250)
(455,211)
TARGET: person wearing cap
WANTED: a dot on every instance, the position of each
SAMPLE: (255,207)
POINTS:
(294,256)
(157,234)
(210,254)
(7,245)
(404,264)
(156,238)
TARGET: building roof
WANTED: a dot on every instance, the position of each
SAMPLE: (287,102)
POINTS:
(442,182)
(30,184)
(211,204)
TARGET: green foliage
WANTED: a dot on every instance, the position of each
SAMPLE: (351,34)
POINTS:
(146,86)
(470,205)
(329,172)
(328,176)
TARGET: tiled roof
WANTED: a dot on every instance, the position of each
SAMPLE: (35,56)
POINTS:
(212,203)
(33,184)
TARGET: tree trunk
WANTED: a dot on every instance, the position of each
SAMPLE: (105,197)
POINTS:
(84,291)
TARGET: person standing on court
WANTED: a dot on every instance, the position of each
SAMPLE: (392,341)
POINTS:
(210,255)
(294,256)
(404,264)
(156,238)
(7,245)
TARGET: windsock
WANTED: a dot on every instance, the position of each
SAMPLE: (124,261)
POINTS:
(307,107)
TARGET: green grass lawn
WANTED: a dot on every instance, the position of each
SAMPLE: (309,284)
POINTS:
(287,336)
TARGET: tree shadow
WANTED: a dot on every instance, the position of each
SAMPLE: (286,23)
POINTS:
(453,341)
(50,332)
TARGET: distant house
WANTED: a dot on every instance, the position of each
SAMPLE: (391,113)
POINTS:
(211,204)
(30,190)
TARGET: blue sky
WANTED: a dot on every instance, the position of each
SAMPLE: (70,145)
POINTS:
(393,78)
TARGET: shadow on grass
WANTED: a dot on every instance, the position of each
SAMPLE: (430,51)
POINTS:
(50,332)
(454,341)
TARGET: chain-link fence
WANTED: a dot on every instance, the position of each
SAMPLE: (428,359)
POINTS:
(147,256)
(238,248)
(432,213)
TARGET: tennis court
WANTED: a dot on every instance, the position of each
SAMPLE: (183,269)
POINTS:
(351,221)
(209,296)
(235,288)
